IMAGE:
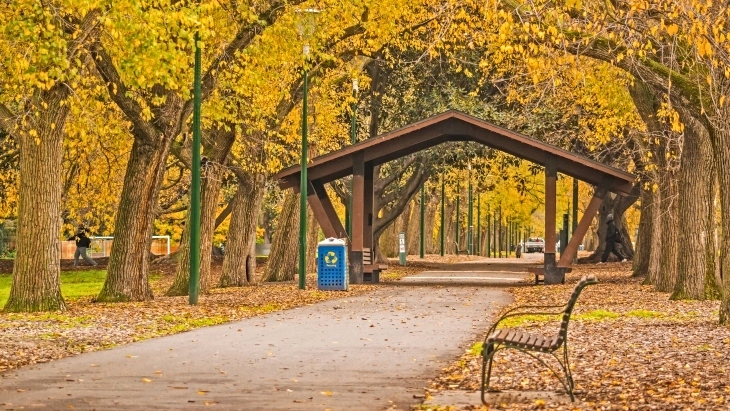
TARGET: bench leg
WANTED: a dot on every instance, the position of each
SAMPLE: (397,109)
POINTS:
(567,383)
(568,374)
(487,369)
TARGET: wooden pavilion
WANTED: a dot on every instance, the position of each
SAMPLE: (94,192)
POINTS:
(360,159)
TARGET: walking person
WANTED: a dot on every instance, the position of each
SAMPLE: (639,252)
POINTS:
(82,243)
(613,236)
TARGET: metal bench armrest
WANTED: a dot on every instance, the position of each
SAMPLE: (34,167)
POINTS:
(512,313)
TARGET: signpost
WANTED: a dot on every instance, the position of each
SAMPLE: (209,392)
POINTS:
(402,248)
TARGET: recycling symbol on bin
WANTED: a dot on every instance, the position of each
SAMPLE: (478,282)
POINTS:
(330,258)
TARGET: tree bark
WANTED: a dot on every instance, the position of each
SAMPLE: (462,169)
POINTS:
(129,261)
(283,260)
(644,242)
(414,227)
(655,254)
(432,204)
(217,146)
(647,103)
(239,263)
(449,241)
(721,148)
(312,241)
(36,273)
(647,177)
(387,242)
(669,223)
(713,277)
(696,202)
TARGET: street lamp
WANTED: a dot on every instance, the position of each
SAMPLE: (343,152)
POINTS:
(306,27)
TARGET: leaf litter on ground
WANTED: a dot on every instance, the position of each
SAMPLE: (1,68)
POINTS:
(630,348)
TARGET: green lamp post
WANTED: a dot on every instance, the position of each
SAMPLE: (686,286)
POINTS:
(194,281)
(479,224)
(443,226)
(470,219)
(456,231)
(422,222)
(307,25)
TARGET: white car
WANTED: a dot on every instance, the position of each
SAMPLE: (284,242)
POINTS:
(535,245)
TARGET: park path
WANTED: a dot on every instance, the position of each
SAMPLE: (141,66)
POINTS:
(372,352)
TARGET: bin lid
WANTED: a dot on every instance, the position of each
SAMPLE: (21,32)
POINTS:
(332,241)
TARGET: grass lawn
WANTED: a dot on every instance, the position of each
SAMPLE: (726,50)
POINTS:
(74,284)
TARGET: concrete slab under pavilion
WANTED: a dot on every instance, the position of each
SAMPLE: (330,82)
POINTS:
(360,159)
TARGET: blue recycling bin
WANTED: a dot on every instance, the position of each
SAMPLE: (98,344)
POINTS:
(332,267)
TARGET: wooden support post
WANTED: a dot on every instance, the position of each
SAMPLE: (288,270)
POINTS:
(367,224)
(585,222)
(552,274)
(367,234)
(324,211)
(358,218)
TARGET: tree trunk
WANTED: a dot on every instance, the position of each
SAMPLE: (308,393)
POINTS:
(181,283)
(218,143)
(721,149)
(644,242)
(655,254)
(433,202)
(209,192)
(129,261)
(606,208)
(312,241)
(449,245)
(400,224)
(647,104)
(36,272)
(239,263)
(713,277)
(388,242)
(437,241)
(414,224)
(696,202)
(667,275)
(284,257)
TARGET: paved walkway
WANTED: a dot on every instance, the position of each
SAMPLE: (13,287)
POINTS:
(372,352)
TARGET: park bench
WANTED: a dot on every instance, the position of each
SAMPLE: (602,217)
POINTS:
(371,272)
(532,343)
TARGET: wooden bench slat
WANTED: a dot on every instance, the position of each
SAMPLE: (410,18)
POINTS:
(531,341)
(547,343)
(499,335)
(523,340)
(515,338)
(538,341)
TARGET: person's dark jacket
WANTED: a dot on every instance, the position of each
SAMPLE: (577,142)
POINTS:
(612,234)
(81,239)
